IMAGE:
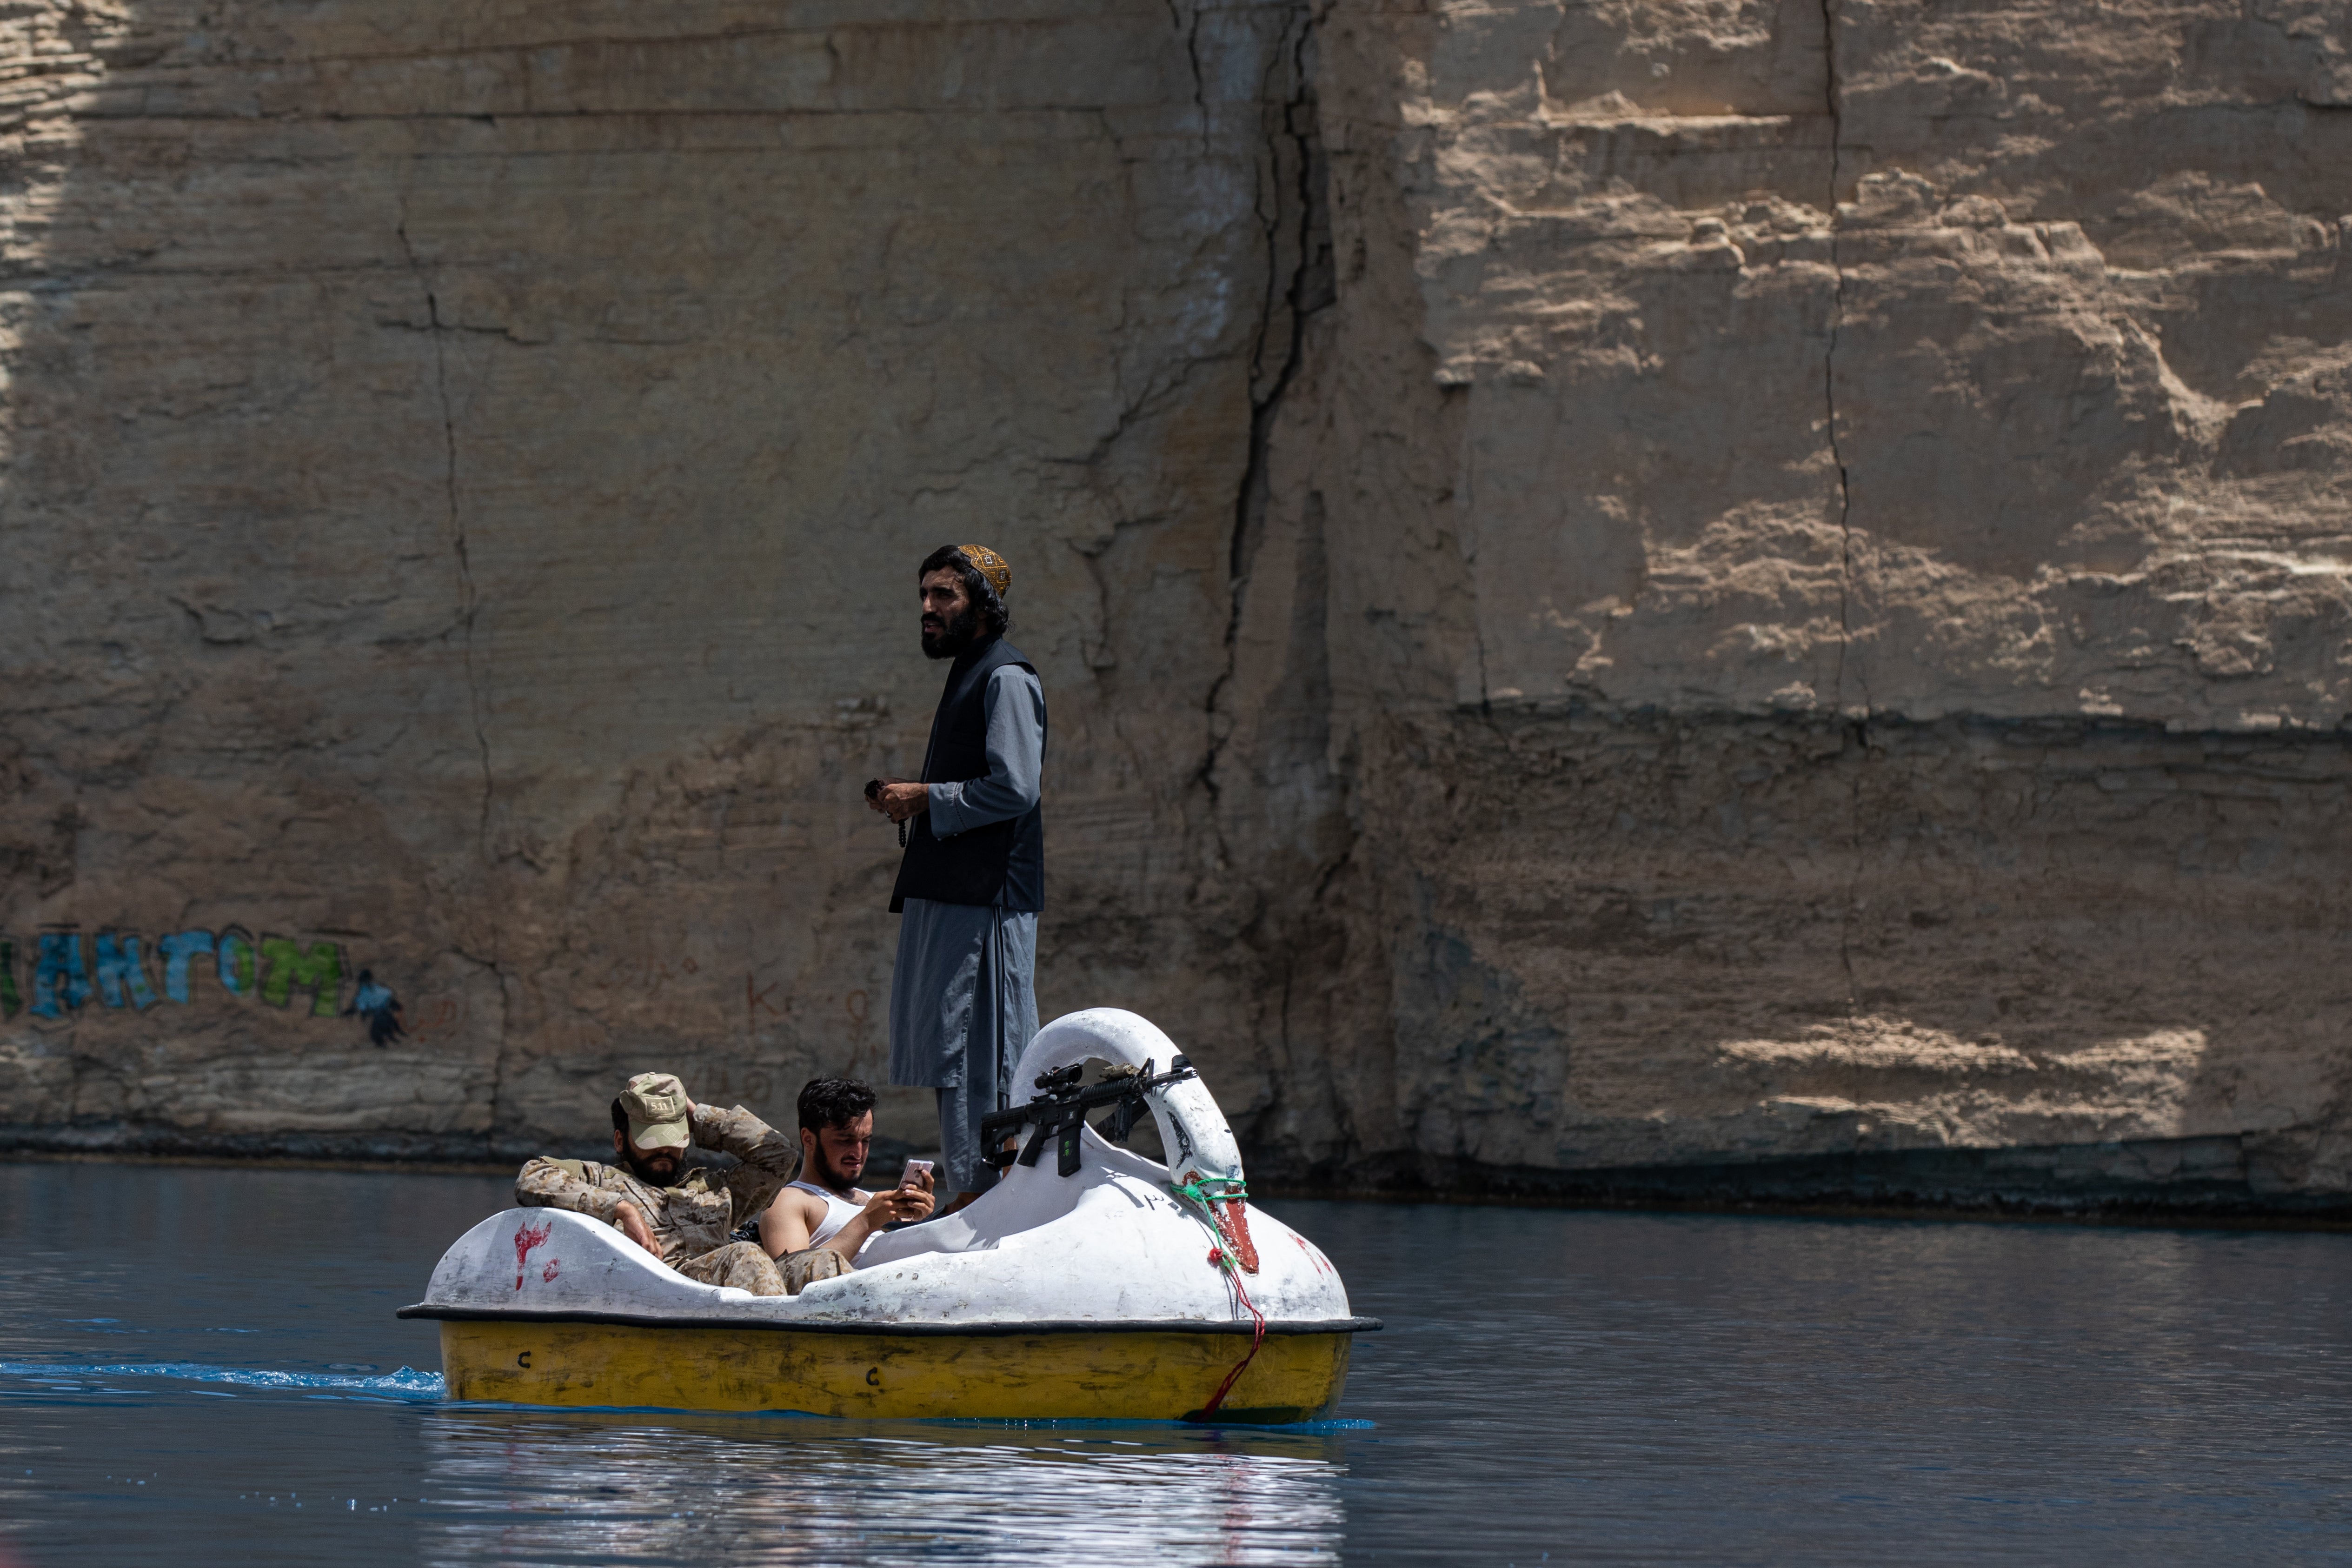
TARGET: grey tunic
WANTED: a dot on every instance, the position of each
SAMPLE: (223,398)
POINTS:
(963,1006)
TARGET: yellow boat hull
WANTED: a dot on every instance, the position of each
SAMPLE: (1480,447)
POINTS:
(1063,1372)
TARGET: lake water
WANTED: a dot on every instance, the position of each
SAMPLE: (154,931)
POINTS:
(201,1366)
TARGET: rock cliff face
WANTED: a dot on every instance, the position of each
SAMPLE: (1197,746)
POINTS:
(1655,598)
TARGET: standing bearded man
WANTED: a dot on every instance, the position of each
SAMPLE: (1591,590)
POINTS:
(962,1002)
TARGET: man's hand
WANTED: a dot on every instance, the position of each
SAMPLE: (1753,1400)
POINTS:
(896,1205)
(633,1225)
(899,799)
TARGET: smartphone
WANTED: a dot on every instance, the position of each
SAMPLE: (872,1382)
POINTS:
(912,1176)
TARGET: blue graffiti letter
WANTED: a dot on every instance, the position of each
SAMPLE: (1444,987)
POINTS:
(177,949)
(60,961)
(119,969)
(234,960)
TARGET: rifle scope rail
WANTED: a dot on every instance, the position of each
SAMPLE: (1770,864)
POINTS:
(1060,1110)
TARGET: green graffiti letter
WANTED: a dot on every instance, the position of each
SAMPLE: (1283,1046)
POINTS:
(319,969)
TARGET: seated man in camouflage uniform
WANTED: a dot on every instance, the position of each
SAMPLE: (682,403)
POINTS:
(686,1223)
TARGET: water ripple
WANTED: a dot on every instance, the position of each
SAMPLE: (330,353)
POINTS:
(407,1383)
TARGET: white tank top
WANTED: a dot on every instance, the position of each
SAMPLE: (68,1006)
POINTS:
(838,1212)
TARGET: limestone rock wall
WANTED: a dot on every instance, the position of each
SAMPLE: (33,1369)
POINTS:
(466,471)
(1834,528)
(1730,588)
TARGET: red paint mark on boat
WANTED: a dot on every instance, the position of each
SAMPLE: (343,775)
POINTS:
(527,1237)
(548,1273)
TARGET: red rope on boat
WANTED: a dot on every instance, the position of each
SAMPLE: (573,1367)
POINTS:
(1217,1257)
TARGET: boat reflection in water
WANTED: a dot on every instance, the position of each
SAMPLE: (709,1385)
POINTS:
(539,1487)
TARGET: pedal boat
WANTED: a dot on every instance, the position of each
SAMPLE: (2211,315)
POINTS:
(1090,1283)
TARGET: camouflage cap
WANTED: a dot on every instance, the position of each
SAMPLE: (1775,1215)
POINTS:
(657,1107)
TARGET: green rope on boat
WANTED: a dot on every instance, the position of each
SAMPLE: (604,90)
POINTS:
(1198,1191)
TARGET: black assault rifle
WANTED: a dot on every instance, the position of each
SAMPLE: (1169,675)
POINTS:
(1060,1108)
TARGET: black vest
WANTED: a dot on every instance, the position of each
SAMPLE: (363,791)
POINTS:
(1003,863)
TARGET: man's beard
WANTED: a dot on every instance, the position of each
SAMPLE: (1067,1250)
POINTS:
(826,1176)
(951,638)
(646,1170)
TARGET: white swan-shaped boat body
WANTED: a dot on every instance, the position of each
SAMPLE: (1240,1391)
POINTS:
(1124,1289)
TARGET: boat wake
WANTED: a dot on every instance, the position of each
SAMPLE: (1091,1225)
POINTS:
(406,1385)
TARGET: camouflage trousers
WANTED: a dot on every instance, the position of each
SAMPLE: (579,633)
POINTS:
(811,1264)
(742,1264)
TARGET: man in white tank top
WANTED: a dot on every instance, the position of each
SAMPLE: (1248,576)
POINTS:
(824,1208)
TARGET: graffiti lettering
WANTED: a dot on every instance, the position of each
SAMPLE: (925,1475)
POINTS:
(439,1015)
(235,962)
(177,949)
(526,1238)
(69,970)
(120,973)
(58,979)
(318,969)
(645,973)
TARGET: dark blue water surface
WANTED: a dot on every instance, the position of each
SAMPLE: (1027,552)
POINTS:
(202,1366)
